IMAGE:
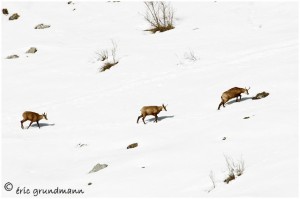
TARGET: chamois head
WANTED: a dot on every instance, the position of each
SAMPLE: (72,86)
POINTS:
(164,107)
(246,91)
(45,116)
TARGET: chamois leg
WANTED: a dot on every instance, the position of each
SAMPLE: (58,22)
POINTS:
(222,103)
(29,125)
(155,118)
(240,97)
(22,123)
(144,119)
(139,118)
(38,124)
(237,98)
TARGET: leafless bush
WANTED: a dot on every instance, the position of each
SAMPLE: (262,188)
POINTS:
(240,167)
(160,16)
(212,178)
(234,168)
(114,60)
(103,55)
(114,50)
(191,56)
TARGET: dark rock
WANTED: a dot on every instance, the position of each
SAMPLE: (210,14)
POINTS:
(12,57)
(41,26)
(89,183)
(246,118)
(224,138)
(14,16)
(81,145)
(32,50)
(5,11)
(98,167)
(132,145)
(69,2)
(260,95)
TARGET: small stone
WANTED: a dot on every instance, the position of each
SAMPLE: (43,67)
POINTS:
(246,118)
(98,167)
(5,11)
(32,50)
(89,183)
(260,95)
(132,145)
(12,57)
(224,138)
(81,145)
(14,16)
(69,2)
(41,26)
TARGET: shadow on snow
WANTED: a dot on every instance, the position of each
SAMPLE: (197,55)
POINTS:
(41,125)
(243,99)
(159,118)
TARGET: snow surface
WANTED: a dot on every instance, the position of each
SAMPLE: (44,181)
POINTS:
(237,44)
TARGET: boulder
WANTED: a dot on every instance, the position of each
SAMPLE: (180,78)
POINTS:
(14,16)
(260,95)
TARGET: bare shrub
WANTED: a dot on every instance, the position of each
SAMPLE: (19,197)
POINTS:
(234,168)
(212,178)
(187,57)
(191,56)
(102,56)
(240,167)
(160,16)
(229,178)
(114,51)
(107,65)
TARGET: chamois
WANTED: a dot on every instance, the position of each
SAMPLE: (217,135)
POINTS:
(151,110)
(232,93)
(33,117)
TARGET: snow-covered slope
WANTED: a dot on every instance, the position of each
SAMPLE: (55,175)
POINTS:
(237,44)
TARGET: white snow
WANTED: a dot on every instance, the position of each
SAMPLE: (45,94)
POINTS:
(237,44)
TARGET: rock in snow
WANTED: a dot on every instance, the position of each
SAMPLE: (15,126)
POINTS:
(12,57)
(41,26)
(132,145)
(32,50)
(14,16)
(260,95)
(5,11)
(98,167)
